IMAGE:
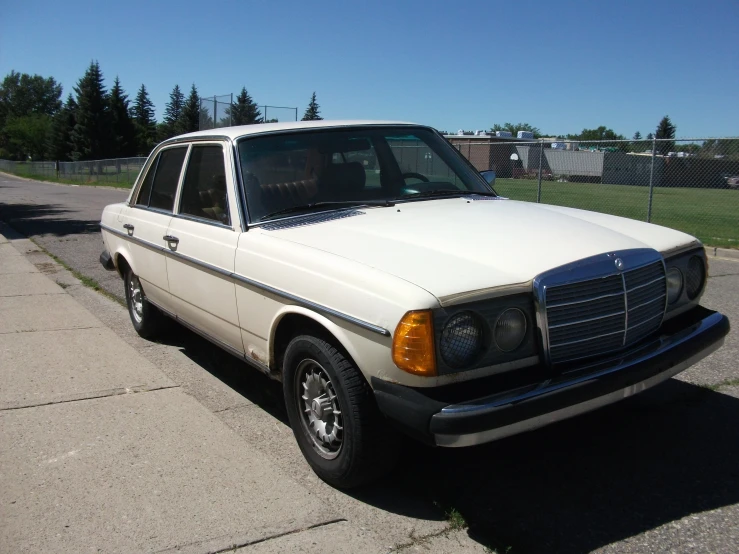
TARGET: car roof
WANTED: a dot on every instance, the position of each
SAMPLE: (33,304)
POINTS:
(244,130)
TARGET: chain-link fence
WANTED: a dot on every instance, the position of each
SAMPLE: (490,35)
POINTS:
(118,171)
(215,112)
(273,114)
(688,184)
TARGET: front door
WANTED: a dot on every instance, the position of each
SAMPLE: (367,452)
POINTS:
(146,221)
(203,238)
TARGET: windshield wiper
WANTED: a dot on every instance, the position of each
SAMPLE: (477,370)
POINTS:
(328,206)
(446,192)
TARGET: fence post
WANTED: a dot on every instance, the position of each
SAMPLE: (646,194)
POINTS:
(651,180)
(541,155)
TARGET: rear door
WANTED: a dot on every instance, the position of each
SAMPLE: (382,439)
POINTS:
(203,236)
(146,221)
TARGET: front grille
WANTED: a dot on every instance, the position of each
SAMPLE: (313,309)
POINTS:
(603,314)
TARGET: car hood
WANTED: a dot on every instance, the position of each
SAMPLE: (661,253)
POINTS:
(454,247)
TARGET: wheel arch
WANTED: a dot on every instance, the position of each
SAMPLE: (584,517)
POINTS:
(293,320)
(123,260)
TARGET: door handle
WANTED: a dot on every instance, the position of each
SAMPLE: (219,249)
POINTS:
(170,238)
(128,227)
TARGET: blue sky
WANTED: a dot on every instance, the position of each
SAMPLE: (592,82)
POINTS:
(560,66)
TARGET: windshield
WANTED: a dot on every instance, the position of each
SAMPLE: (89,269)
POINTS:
(287,172)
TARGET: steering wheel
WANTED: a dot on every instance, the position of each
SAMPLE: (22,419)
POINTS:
(418,176)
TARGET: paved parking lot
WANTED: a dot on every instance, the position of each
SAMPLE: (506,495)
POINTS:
(656,473)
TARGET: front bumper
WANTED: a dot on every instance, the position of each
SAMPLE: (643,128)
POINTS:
(428,415)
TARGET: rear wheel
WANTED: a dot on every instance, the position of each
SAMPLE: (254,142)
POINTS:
(147,320)
(333,415)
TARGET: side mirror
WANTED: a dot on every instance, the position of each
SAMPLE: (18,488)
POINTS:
(489,176)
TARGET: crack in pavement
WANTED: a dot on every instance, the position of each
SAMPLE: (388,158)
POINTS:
(85,396)
(242,544)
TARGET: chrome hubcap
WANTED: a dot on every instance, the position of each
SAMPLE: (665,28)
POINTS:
(319,407)
(137,298)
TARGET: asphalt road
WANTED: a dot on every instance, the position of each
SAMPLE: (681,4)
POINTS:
(655,473)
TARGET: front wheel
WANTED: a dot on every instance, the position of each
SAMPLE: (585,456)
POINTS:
(147,320)
(333,415)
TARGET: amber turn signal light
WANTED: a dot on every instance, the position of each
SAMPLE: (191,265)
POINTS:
(413,344)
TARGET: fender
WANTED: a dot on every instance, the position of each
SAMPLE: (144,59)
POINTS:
(339,333)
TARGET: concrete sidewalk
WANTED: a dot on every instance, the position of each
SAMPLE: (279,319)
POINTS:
(101,451)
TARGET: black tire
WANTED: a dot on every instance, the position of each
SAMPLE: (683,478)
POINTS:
(148,321)
(368,444)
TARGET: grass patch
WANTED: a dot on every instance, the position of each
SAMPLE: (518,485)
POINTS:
(722,384)
(91,180)
(456,520)
(712,215)
(83,279)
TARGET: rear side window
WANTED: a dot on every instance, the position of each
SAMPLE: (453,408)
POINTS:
(145,190)
(160,184)
(166,178)
(204,192)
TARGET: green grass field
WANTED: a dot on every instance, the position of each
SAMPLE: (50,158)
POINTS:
(116,180)
(710,214)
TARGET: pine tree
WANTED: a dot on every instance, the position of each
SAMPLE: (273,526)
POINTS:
(637,136)
(60,140)
(144,122)
(190,116)
(245,111)
(91,137)
(172,123)
(665,130)
(650,136)
(312,113)
(124,132)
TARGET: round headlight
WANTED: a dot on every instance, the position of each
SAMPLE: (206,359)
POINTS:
(674,285)
(695,277)
(461,340)
(510,329)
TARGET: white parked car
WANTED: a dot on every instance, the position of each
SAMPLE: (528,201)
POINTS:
(369,268)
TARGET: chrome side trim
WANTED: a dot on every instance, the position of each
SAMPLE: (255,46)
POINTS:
(325,310)
(137,240)
(197,219)
(312,305)
(571,411)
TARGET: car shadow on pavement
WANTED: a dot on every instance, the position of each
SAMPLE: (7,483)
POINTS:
(38,219)
(571,487)
(597,479)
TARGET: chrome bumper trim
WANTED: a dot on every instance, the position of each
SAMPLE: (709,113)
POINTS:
(472,439)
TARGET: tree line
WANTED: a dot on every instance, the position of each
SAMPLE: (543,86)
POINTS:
(665,130)
(95,123)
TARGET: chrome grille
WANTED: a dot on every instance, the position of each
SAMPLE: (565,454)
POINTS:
(602,313)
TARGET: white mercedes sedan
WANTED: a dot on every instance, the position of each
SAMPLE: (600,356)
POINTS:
(375,273)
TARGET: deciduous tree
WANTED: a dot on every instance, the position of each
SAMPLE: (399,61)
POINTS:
(514,128)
